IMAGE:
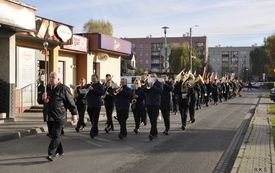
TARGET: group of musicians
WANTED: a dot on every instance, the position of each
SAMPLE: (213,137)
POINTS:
(149,96)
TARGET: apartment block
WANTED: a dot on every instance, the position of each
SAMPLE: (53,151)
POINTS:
(228,60)
(148,50)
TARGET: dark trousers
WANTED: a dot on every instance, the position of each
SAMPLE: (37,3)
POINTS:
(138,114)
(166,118)
(55,131)
(215,97)
(144,115)
(192,108)
(198,101)
(153,112)
(94,116)
(109,112)
(220,96)
(122,116)
(207,99)
(174,100)
(183,108)
(81,108)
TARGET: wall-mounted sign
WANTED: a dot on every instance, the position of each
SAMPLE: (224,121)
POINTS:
(51,30)
(64,33)
(114,44)
(79,44)
(103,56)
(26,66)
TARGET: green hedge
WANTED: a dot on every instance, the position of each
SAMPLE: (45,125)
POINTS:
(268,85)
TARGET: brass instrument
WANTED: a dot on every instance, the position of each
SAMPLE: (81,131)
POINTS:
(143,82)
(185,84)
(148,86)
(118,90)
(198,80)
(134,100)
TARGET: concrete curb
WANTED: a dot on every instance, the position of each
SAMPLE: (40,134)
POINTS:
(272,148)
(28,132)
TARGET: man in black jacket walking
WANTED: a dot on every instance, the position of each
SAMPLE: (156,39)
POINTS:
(57,99)
(153,99)
(123,97)
(165,105)
(94,102)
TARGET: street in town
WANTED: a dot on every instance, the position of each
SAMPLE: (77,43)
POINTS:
(203,147)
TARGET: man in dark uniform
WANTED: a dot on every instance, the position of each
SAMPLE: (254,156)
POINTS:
(153,99)
(215,92)
(138,104)
(123,97)
(143,82)
(182,89)
(81,104)
(165,105)
(193,99)
(208,86)
(57,100)
(94,102)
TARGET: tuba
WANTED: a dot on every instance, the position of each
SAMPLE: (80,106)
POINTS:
(198,80)
(185,84)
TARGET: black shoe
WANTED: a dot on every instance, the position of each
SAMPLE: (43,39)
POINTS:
(166,132)
(50,136)
(92,135)
(145,123)
(151,137)
(192,121)
(59,154)
(49,158)
(136,131)
(106,130)
(120,136)
(183,127)
(77,129)
(83,126)
(62,132)
(197,108)
(115,117)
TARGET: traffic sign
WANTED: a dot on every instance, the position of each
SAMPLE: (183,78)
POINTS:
(162,52)
(166,64)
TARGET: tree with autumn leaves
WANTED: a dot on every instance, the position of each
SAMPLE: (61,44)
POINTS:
(269,45)
(179,58)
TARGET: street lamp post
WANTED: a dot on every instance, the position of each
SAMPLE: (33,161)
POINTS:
(191,47)
(246,74)
(165,45)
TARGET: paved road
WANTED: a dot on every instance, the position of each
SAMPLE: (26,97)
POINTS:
(198,149)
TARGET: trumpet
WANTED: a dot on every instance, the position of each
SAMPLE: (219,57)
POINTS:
(118,90)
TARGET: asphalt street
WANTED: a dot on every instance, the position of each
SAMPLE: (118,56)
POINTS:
(198,149)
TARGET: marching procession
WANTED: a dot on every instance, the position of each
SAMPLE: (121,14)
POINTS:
(153,97)
(148,96)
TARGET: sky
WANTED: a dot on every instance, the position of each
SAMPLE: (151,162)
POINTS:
(224,22)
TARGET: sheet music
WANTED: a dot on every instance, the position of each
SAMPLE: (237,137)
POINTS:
(114,85)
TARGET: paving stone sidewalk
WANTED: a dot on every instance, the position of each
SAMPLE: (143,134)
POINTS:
(257,151)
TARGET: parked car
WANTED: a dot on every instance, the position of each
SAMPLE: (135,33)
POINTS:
(272,94)
(257,85)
